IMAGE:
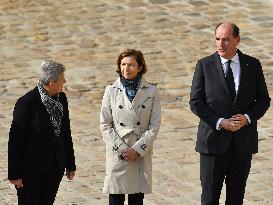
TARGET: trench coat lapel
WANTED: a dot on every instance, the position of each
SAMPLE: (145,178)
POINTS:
(121,95)
(141,95)
(127,102)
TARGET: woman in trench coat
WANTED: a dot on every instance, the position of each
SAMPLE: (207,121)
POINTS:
(129,122)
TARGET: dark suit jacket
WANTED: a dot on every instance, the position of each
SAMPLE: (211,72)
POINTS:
(32,145)
(210,100)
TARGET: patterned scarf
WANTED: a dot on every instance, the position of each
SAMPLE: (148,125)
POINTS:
(54,109)
(131,86)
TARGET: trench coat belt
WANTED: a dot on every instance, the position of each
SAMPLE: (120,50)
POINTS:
(128,129)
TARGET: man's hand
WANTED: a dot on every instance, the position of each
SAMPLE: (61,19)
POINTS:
(230,125)
(70,174)
(17,182)
(130,154)
(239,120)
(235,123)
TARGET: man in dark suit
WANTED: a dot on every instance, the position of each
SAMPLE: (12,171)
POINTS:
(40,146)
(229,95)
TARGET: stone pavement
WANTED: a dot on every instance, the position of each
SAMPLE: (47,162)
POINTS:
(87,37)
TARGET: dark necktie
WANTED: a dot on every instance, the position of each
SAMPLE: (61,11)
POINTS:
(230,81)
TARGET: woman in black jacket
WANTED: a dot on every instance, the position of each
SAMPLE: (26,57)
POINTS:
(40,146)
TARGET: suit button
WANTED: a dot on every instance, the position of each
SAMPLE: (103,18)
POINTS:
(120,106)
(143,106)
(121,124)
(138,123)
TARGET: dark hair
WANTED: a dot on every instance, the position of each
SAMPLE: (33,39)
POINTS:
(235,28)
(138,56)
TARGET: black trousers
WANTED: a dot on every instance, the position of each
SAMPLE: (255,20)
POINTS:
(39,188)
(233,167)
(133,199)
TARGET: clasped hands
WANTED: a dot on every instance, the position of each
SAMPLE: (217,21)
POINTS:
(234,123)
(130,154)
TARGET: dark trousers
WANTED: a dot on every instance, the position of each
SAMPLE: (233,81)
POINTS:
(133,199)
(233,167)
(39,189)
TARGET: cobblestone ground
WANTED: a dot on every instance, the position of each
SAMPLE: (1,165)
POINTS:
(87,37)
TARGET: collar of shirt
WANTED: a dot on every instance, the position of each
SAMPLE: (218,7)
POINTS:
(235,59)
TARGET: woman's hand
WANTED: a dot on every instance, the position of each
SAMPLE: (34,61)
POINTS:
(130,154)
(17,182)
(70,174)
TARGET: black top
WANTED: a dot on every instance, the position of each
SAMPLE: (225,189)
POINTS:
(32,145)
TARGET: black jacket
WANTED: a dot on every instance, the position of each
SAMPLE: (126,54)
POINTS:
(32,145)
(210,100)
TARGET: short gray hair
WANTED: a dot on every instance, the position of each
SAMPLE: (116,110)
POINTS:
(50,70)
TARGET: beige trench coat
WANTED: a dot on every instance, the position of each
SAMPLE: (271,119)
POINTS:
(124,124)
